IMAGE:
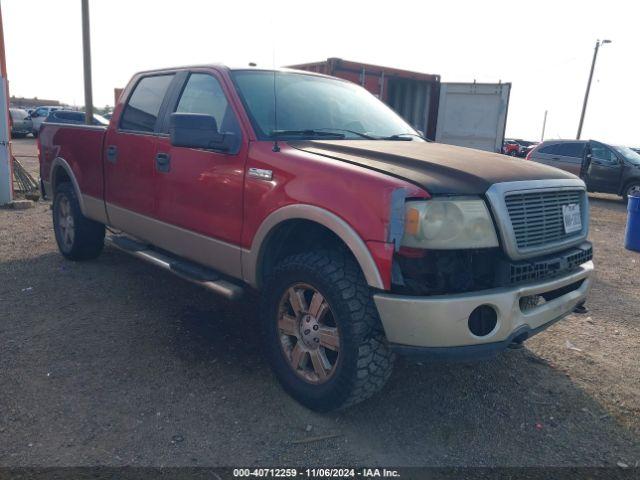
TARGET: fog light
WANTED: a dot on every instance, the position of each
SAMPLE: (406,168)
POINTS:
(483,320)
(530,302)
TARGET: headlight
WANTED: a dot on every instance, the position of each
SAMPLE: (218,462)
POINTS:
(447,224)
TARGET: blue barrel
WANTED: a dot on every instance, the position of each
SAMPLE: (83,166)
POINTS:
(632,235)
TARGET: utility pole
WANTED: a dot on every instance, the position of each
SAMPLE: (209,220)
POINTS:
(544,125)
(86,53)
(586,94)
(6,164)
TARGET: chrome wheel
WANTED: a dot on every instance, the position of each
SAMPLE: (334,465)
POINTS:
(66,224)
(308,333)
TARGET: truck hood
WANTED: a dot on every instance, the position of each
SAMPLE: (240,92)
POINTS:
(438,168)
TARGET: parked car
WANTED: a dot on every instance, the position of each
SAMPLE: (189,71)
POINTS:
(361,238)
(635,149)
(511,148)
(517,147)
(75,117)
(21,124)
(39,115)
(604,168)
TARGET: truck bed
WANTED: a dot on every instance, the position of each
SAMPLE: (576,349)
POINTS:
(80,148)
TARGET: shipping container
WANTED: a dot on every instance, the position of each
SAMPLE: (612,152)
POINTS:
(470,115)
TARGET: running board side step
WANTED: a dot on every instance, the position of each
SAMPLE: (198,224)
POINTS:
(190,271)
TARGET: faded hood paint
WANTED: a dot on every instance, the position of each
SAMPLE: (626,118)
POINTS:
(440,169)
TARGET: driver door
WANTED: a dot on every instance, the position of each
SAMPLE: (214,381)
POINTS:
(198,191)
(604,170)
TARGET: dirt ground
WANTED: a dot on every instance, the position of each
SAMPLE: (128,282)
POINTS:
(114,362)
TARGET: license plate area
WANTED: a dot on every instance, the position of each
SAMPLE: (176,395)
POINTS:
(572,218)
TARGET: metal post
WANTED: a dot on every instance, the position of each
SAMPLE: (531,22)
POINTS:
(544,125)
(586,94)
(6,164)
(86,53)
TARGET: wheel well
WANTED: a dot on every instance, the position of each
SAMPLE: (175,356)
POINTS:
(296,236)
(59,176)
(628,184)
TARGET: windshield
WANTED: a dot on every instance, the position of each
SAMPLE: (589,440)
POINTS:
(628,154)
(310,106)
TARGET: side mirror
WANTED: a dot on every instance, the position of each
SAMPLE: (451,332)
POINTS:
(196,130)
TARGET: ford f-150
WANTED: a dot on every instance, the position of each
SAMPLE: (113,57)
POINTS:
(363,239)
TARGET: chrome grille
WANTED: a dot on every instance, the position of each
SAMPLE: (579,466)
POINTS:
(536,217)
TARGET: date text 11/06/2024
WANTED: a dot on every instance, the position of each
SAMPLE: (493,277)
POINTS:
(316,472)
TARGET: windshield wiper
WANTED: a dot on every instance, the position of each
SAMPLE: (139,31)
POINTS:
(359,134)
(308,133)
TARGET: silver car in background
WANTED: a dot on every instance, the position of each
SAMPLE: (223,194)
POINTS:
(21,124)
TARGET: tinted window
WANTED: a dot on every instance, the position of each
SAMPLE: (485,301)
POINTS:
(141,112)
(549,149)
(73,116)
(203,94)
(571,149)
(600,152)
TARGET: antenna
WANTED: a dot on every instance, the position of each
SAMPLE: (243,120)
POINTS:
(276,147)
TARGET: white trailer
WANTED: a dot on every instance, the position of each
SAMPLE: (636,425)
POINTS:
(473,115)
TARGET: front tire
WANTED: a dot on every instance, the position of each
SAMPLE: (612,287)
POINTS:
(78,237)
(631,188)
(323,338)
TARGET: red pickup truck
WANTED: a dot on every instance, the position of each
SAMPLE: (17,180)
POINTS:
(363,239)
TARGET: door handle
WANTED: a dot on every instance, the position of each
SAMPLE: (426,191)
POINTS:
(163,162)
(112,153)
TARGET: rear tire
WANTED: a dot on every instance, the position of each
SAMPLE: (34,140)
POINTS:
(78,237)
(345,366)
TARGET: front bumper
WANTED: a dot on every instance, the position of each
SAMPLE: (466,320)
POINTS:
(437,326)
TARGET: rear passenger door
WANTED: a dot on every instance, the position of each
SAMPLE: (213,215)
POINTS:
(129,156)
(570,156)
(199,191)
(566,156)
(605,169)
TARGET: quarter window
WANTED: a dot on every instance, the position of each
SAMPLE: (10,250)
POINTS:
(141,112)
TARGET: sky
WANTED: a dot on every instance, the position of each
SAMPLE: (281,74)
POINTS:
(544,48)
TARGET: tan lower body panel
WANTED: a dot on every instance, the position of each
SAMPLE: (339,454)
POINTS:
(442,321)
(221,256)
(94,209)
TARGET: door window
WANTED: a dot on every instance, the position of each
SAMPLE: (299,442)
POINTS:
(571,149)
(603,154)
(550,149)
(141,112)
(203,94)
